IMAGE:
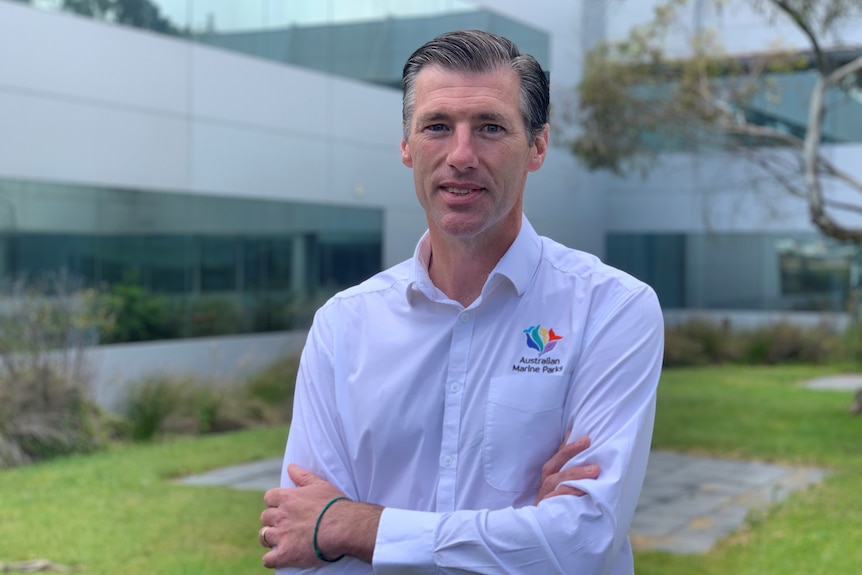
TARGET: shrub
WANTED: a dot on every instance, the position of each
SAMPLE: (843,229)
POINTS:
(699,341)
(852,342)
(214,315)
(784,342)
(46,407)
(150,402)
(682,351)
(167,404)
(137,314)
(275,383)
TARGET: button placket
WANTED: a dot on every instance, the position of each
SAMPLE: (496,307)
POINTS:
(462,333)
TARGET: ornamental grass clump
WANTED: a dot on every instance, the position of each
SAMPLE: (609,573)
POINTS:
(46,408)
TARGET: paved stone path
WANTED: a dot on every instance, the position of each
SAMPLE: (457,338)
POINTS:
(839,382)
(687,503)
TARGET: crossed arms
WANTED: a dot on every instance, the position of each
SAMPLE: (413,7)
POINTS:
(350,527)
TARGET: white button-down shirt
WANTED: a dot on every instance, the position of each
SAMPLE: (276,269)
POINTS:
(444,415)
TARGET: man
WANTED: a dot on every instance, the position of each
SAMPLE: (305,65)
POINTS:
(432,399)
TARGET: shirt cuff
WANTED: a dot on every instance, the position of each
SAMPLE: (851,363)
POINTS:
(405,543)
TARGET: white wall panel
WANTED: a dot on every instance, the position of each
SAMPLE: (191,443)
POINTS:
(370,175)
(363,113)
(234,160)
(60,140)
(255,92)
(79,58)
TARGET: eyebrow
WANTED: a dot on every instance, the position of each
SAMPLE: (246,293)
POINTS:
(440,116)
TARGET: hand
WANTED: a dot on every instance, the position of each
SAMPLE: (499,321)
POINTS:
(553,474)
(290,517)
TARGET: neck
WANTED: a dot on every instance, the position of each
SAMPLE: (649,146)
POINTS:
(459,269)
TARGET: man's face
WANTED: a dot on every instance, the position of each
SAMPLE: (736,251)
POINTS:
(470,153)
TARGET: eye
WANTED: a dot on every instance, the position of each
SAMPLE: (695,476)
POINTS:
(436,128)
(492,128)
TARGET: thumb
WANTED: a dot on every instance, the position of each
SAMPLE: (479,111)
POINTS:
(300,476)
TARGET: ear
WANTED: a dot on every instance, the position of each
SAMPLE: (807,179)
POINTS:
(406,158)
(539,149)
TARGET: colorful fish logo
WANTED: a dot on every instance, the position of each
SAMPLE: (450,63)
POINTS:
(541,339)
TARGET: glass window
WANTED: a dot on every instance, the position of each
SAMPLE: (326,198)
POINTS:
(748,271)
(217,265)
(656,259)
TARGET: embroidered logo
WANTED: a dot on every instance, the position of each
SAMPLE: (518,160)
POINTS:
(541,339)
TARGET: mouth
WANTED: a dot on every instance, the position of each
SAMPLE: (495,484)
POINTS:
(461,190)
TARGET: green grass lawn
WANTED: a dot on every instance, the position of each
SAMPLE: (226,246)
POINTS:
(119,512)
(762,413)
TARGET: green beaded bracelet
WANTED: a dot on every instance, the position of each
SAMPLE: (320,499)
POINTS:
(317,526)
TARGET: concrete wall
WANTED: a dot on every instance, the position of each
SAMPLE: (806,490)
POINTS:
(217,360)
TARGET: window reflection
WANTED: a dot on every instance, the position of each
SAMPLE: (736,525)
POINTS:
(207,265)
(746,271)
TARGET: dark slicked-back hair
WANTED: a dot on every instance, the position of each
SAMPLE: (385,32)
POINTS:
(475,51)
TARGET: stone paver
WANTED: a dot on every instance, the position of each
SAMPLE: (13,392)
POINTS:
(839,382)
(687,504)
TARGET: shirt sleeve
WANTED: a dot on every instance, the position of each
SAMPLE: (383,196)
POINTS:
(314,442)
(615,385)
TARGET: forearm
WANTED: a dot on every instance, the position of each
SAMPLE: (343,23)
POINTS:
(565,534)
(349,528)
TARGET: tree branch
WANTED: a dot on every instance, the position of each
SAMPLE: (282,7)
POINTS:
(803,24)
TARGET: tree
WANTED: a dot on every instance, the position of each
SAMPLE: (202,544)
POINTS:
(634,92)
(138,13)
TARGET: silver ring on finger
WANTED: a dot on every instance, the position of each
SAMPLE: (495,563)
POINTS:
(261,536)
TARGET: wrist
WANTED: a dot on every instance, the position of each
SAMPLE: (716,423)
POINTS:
(348,528)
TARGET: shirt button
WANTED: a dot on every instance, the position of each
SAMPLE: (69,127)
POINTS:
(454,387)
(465,317)
(447,461)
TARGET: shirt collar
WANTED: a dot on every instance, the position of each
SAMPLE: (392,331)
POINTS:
(520,261)
(518,264)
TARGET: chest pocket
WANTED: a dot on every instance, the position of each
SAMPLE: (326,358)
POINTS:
(523,429)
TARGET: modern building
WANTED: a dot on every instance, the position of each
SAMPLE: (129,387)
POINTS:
(239,160)
(709,232)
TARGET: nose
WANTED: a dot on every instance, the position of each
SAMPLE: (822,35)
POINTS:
(462,149)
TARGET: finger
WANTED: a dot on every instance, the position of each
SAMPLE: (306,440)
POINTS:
(552,482)
(575,447)
(564,490)
(565,453)
(261,536)
(269,516)
(275,496)
(577,472)
(300,476)
(270,559)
